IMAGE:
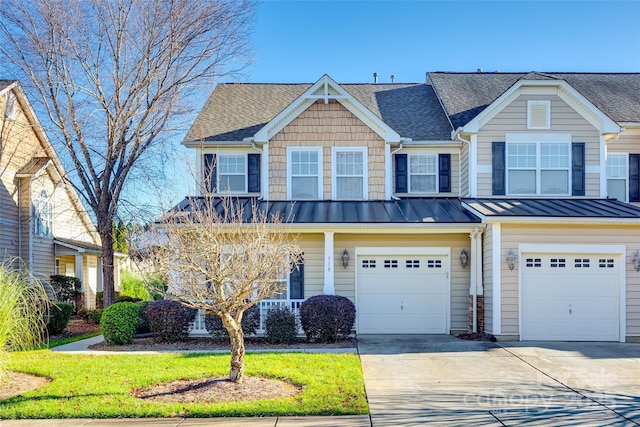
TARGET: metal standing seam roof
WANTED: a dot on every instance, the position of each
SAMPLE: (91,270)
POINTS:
(405,211)
(235,111)
(554,208)
(465,95)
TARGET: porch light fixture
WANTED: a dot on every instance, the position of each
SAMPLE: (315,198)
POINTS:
(345,259)
(636,260)
(464,258)
(511,258)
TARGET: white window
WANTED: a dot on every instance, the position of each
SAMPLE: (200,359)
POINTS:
(538,168)
(304,166)
(617,176)
(349,173)
(11,107)
(538,114)
(43,215)
(232,173)
(423,173)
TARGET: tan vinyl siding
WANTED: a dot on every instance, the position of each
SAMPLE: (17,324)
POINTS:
(345,278)
(67,223)
(9,225)
(487,277)
(512,235)
(313,248)
(564,119)
(464,170)
(326,125)
(628,142)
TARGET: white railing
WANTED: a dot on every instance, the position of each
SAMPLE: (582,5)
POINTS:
(197,328)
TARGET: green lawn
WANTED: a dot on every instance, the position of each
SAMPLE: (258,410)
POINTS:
(99,386)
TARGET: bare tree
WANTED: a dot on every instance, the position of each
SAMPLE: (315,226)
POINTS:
(223,256)
(116,76)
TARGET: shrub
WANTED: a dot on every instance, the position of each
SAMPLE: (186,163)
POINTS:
(280,326)
(169,320)
(90,316)
(326,318)
(250,323)
(100,299)
(127,298)
(66,288)
(58,319)
(118,323)
(143,323)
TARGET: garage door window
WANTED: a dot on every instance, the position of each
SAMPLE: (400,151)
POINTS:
(533,262)
(558,263)
(606,263)
(368,263)
(413,263)
(582,262)
(434,263)
(390,263)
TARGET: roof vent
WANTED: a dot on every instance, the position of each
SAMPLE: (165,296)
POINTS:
(479,70)
(393,78)
(375,77)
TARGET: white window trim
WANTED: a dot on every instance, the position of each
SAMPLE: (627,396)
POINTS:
(529,138)
(318,150)
(365,170)
(530,105)
(625,177)
(39,203)
(219,154)
(437,172)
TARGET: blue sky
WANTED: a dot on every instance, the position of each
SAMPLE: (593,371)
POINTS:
(299,41)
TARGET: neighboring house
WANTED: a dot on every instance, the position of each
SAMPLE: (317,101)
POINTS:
(497,202)
(42,219)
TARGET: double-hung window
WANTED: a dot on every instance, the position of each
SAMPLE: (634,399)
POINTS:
(304,166)
(423,173)
(232,173)
(617,176)
(538,168)
(349,173)
(43,215)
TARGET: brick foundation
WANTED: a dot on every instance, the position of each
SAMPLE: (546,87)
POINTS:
(479,314)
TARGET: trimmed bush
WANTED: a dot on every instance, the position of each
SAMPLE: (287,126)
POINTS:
(327,318)
(118,323)
(127,298)
(169,320)
(90,316)
(58,319)
(66,288)
(143,323)
(250,323)
(280,326)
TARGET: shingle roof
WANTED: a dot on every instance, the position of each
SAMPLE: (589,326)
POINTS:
(33,166)
(419,210)
(554,208)
(6,83)
(465,95)
(235,111)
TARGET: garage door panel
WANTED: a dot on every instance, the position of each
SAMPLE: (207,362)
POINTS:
(402,294)
(570,297)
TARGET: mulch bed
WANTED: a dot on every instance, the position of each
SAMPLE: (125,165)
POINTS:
(76,327)
(213,344)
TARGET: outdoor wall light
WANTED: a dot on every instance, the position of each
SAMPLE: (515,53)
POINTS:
(345,259)
(511,258)
(636,260)
(464,258)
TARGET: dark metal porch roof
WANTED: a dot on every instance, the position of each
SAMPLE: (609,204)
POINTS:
(553,208)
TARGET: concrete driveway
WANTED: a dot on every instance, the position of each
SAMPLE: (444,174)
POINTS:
(414,380)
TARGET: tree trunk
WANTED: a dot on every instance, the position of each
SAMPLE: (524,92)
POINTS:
(108,278)
(236,335)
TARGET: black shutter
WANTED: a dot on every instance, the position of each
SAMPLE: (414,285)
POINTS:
(498,168)
(401,173)
(634,177)
(296,282)
(577,169)
(444,172)
(253,173)
(210,178)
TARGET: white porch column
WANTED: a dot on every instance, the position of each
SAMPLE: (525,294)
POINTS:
(329,280)
(475,285)
(80,270)
(99,275)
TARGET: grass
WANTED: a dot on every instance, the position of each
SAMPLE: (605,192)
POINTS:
(99,386)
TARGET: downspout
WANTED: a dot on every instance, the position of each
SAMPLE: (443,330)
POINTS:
(457,137)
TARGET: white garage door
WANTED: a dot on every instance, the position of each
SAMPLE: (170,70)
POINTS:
(403,294)
(570,297)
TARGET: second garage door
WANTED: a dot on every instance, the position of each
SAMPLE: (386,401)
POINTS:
(570,297)
(403,294)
